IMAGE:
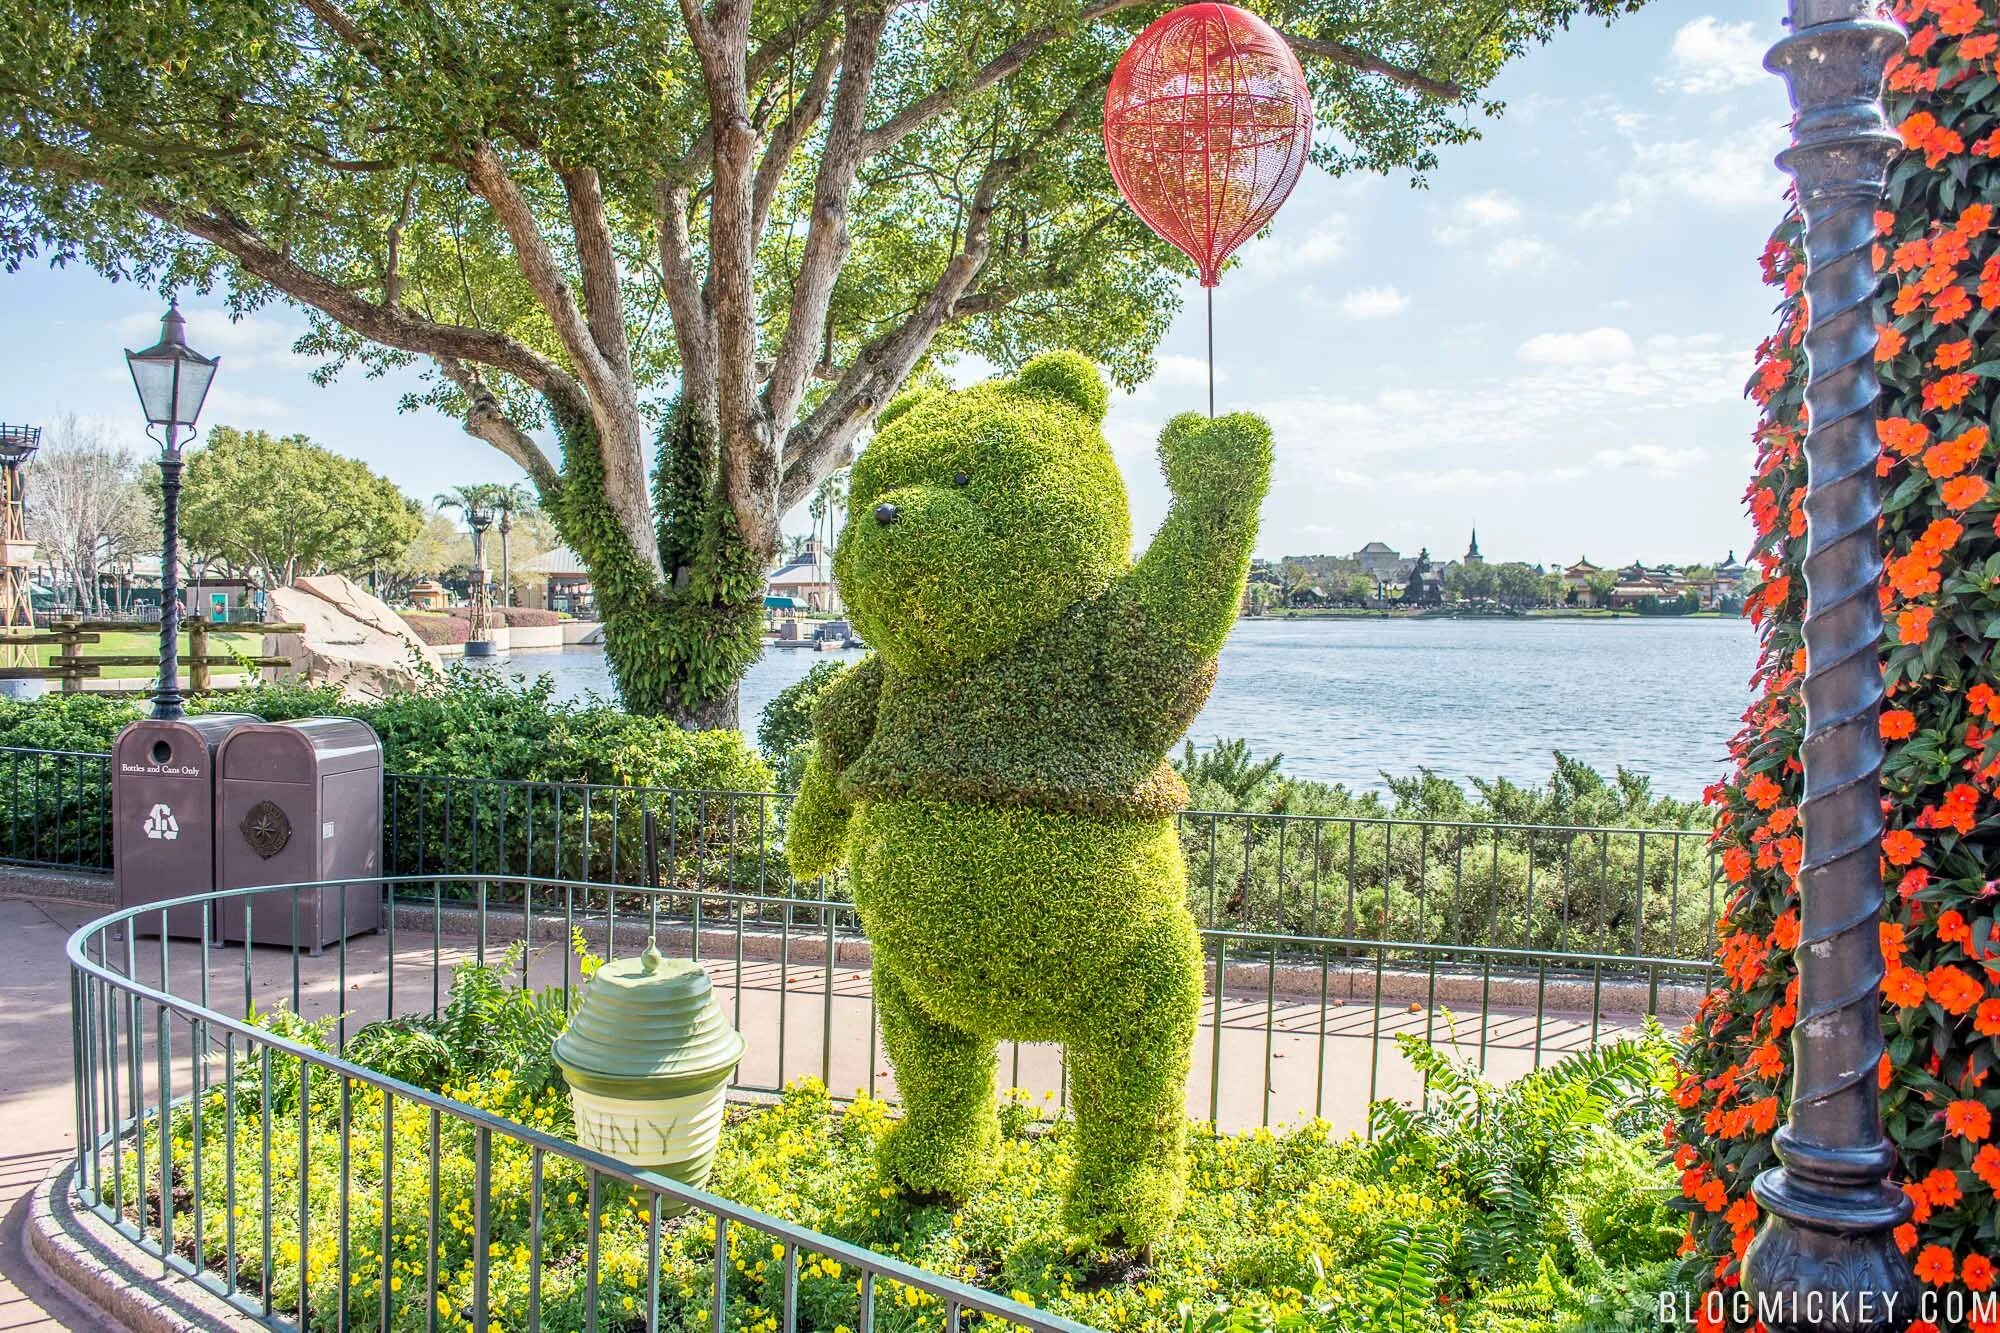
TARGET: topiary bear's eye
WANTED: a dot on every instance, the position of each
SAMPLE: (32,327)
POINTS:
(961,479)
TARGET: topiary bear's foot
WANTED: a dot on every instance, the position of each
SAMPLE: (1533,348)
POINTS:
(950,1132)
(1126,1203)
(932,1162)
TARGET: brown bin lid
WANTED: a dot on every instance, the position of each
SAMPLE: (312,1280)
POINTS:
(297,749)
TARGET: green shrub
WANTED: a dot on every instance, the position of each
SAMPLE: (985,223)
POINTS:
(784,728)
(1293,1229)
(995,773)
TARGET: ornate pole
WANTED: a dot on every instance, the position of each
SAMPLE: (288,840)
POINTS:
(167,698)
(1825,1259)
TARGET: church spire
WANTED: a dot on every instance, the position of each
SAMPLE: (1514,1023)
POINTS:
(1472,556)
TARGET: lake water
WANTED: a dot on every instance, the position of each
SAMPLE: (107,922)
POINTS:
(1347,700)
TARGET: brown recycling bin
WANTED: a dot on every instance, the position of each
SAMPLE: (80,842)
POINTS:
(299,802)
(163,815)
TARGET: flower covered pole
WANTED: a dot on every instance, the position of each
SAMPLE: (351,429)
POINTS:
(1826,1258)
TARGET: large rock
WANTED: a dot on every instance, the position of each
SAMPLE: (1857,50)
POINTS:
(351,639)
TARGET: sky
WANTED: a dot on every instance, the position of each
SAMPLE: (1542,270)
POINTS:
(1550,342)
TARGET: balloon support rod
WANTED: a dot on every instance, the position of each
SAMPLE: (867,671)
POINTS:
(1211,351)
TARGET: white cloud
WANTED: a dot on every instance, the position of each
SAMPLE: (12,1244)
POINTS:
(1732,169)
(1373,303)
(1591,346)
(1282,253)
(1178,369)
(226,407)
(1655,459)
(1520,254)
(1710,56)
(1482,479)
(1488,209)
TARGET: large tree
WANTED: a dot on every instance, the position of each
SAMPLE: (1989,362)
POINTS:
(284,506)
(704,244)
(85,505)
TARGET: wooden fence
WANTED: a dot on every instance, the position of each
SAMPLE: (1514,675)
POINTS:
(70,635)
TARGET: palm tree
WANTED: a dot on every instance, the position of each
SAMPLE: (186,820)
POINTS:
(828,501)
(477,502)
(507,501)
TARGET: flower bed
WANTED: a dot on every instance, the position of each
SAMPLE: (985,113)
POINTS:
(1940,596)
(1530,1207)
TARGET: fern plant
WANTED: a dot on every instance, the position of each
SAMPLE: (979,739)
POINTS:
(1510,1148)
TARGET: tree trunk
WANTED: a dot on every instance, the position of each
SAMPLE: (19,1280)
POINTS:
(678,647)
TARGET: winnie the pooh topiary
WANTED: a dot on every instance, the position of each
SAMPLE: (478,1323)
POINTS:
(994,774)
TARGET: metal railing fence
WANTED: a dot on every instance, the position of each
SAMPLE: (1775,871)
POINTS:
(1519,886)
(337,1195)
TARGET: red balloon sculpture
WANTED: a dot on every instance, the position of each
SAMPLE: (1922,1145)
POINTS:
(1206,126)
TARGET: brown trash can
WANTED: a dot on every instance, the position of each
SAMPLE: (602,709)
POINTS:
(163,815)
(298,802)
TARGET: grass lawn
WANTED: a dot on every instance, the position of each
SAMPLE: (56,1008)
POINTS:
(134,643)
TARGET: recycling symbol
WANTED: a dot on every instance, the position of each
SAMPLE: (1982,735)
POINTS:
(160,823)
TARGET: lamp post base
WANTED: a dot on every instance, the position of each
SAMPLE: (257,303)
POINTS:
(479,648)
(1829,1262)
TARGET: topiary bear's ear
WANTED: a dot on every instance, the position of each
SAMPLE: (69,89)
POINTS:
(903,402)
(1069,376)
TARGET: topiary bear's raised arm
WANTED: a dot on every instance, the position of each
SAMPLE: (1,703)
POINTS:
(1179,601)
(843,724)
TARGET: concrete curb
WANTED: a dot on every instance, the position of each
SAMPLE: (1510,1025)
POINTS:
(102,1271)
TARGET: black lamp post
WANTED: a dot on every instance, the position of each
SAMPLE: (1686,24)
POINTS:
(1825,1258)
(172,380)
(477,642)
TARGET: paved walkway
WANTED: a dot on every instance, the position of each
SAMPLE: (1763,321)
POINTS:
(37,1122)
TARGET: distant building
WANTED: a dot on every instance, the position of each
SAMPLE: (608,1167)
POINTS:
(807,579)
(1577,580)
(429,595)
(1379,560)
(1472,556)
(1425,585)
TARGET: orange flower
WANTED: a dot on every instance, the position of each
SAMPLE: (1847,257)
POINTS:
(1953,355)
(1898,724)
(1968,1120)
(1914,626)
(1902,436)
(1961,493)
(1986,1019)
(1903,987)
(1762,792)
(1951,305)
(1948,391)
(1986,1165)
(1902,846)
(1934,1265)
(1978,217)
(1954,991)
(1736,864)
(1976,1272)
(1940,1188)
(1888,342)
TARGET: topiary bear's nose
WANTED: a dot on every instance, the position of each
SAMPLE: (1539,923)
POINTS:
(887,514)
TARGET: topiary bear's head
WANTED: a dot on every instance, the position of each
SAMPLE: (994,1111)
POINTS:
(977,517)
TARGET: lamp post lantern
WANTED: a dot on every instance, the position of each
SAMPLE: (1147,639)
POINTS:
(1825,1257)
(172,379)
(478,642)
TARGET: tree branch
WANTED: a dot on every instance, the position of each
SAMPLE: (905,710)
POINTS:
(392,326)
(827,240)
(687,304)
(791,132)
(597,260)
(485,419)
(940,100)
(1444,90)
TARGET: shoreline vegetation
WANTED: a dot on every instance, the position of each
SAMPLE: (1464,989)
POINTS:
(1475,613)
